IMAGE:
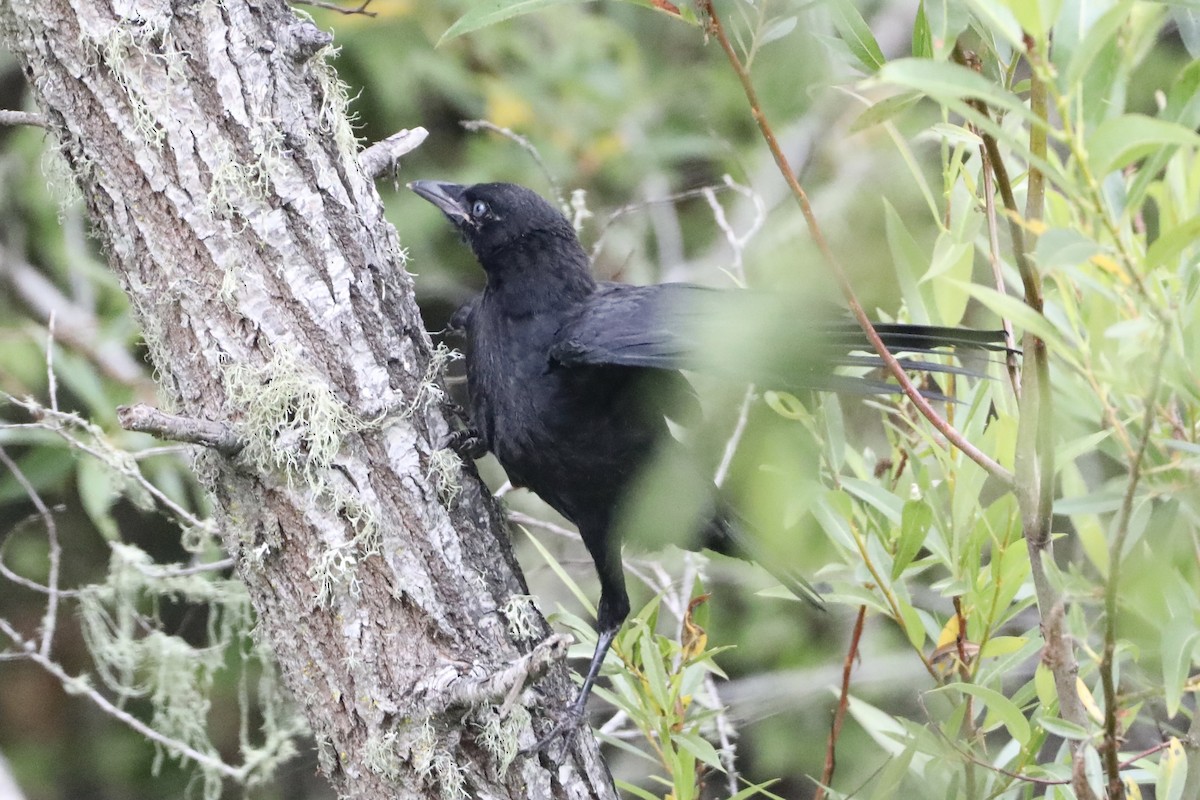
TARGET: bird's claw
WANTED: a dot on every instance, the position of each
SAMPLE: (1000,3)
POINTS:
(467,443)
(565,729)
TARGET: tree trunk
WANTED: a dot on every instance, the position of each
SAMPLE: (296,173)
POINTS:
(211,144)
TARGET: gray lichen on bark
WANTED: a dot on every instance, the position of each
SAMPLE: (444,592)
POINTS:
(211,145)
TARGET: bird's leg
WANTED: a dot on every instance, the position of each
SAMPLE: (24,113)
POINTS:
(569,724)
(611,613)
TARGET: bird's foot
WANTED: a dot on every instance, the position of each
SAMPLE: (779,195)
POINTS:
(565,730)
(467,443)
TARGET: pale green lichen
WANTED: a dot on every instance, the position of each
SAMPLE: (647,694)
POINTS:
(452,783)
(379,755)
(136,659)
(423,749)
(336,571)
(333,115)
(362,516)
(60,178)
(445,473)
(430,390)
(234,183)
(499,734)
(520,611)
(292,420)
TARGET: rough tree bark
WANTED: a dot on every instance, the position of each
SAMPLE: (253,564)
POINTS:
(211,145)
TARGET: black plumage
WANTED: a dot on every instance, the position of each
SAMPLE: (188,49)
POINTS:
(571,380)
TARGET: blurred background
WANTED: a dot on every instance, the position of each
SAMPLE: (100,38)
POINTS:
(641,130)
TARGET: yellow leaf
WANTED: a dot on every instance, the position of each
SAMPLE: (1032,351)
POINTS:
(1089,702)
(1110,266)
(694,638)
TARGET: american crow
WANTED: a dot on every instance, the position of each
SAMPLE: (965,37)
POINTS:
(571,380)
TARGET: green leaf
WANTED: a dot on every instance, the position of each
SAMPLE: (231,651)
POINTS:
(1119,141)
(944,80)
(699,747)
(1036,17)
(951,265)
(751,791)
(1060,727)
(98,492)
(1002,645)
(914,628)
(856,34)
(1063,247)
(490,13)
(1094,40)
(788,406)
(1179,639)
(1020,315)
(778,29)
(922,38)
(947,19)
(629,788)
(567,580)
(878,497)
(1170,244)
(884,110)
(910,262)
(1000,709)
(999,19)
(914,525)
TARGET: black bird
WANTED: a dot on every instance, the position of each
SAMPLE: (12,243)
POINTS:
(571,380)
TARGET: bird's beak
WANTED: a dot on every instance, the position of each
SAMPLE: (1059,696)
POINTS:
(446,196)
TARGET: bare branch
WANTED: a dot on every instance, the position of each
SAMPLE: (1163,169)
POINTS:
(359,9)
(147,419)
(384,156)
(8,117)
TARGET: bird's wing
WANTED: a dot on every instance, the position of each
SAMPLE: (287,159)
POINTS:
(747,335)
(635,326)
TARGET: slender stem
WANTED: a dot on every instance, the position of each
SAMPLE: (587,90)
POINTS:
(715,28)
(1111,746)
(989,204)
(964,674)
(839,715)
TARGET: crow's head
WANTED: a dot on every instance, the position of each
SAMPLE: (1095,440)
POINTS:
(496,218)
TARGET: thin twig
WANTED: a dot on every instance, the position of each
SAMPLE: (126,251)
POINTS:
(328,6)
(989,205)
(715,28)
(629,208)
(79,686)
(1116,787)
(839,715)
(50,618)
(51,381)
(475,125)
(735,438)
(60,423)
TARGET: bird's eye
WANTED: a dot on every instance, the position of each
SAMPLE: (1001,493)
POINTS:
(479,210)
